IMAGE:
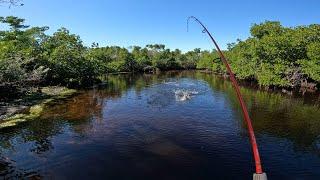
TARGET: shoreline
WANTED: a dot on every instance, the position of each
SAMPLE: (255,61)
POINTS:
(287,90)
(252,83)
(14,113)
(31,106)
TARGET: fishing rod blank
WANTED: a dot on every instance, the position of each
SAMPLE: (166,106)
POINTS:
(259,175)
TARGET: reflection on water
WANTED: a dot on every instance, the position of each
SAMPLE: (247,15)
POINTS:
(176,125)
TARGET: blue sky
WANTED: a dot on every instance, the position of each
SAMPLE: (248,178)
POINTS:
(141,22)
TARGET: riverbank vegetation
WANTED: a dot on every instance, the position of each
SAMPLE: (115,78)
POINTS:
(272,56)
(275,56)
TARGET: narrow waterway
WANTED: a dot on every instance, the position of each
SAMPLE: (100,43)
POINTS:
(174,125)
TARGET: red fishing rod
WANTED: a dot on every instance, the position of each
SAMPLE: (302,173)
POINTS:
(259,175)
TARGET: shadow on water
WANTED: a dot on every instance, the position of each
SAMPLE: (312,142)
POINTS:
(174,125)
(276,114)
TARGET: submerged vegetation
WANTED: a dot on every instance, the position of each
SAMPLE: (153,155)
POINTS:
(272,56)
(21,111)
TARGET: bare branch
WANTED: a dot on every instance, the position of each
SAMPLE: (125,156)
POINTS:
(12,2)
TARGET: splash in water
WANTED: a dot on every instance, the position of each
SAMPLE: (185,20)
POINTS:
(183,95)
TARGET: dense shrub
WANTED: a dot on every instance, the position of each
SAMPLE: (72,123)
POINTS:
(273,56)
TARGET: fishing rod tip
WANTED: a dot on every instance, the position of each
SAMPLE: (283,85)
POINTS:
(190,17)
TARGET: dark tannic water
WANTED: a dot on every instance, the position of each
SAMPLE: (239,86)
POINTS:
(176,125)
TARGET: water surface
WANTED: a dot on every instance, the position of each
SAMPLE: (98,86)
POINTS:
(175,125)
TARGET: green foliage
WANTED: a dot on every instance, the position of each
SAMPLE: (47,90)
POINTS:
(11,70)
(272,74)
(243,63)
(278,56)
(14,22)
(273,56)
(210,61)
(64,55)
(141,57)
(19,52)
(311,66)
(268,28)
